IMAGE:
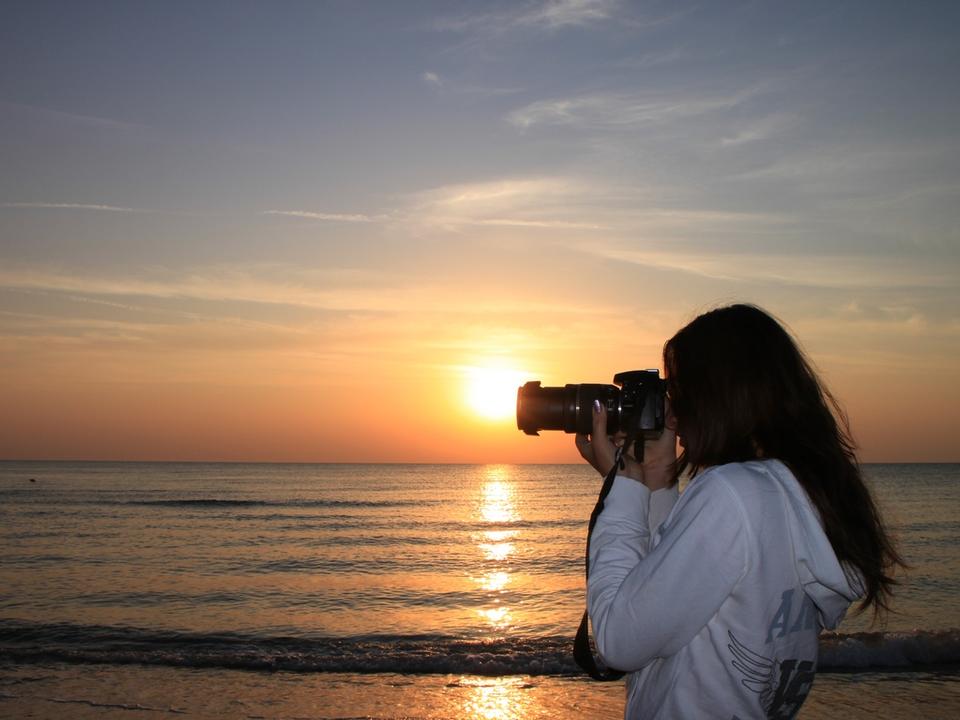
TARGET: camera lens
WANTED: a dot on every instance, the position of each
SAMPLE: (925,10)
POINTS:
(638,406)
(568,408)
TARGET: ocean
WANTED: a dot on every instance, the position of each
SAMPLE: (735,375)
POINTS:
(380,591)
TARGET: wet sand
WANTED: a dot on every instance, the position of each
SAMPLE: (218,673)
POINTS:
(134,691)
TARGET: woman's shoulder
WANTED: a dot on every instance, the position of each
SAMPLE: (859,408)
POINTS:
(712,500)
(746,472)
(743,494)
(743,481)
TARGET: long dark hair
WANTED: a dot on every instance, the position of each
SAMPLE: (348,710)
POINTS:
(741,389)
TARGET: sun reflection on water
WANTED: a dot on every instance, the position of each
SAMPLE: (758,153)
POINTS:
(495,698)
(496,551)
(497,504)
(494,581)
(497,507)
(497,617)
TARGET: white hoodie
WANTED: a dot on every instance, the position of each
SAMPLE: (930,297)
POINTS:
(713,602)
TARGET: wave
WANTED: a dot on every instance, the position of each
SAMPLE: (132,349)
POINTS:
(415,654)
(412,654)
(855,651)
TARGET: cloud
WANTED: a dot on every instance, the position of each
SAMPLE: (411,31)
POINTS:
(807,270)
(338,290)
(308,215)
(683,221)
(760,129)
(329,217)
(850,159)
(257,285)
(611,111)
(573,203)
(544,202)
(549,15)
(32,113)
(72,206)
(552,224)
(561,13)
(498,192)
(658,59)
(465,90)
(534,203)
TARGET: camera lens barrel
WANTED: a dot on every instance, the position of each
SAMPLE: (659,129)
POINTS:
(568,408)
(638,407)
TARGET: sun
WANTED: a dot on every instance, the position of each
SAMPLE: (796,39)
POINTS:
(492,391)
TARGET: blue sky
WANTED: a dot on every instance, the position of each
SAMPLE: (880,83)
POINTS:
(309,194)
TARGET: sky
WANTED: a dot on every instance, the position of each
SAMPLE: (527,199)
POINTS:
(346,231)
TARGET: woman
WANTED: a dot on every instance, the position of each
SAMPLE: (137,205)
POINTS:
(713,600)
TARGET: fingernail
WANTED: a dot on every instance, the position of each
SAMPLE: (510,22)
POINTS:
(596,406)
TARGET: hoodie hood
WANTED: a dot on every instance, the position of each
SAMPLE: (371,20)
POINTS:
(829,585)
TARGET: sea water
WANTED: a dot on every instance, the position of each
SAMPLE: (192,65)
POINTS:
(388,591)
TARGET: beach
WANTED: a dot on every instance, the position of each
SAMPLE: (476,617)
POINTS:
(378,591)
(58,691)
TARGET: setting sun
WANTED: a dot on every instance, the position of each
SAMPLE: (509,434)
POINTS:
(492,392)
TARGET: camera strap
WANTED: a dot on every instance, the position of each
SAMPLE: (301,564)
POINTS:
(582,650)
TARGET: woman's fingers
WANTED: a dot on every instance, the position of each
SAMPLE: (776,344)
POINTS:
(604,450)
(599,420)
(597,449)
(584,447)
(600,449)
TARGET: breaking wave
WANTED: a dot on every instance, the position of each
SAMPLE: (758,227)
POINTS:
(415,654)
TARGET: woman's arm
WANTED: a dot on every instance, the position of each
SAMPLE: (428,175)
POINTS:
(661,503)
(647,603)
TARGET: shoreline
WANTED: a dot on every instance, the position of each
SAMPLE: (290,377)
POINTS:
(111,692)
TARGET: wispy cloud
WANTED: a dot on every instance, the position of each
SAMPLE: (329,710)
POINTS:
(691,222)
(34,113)
(801,270)
(546,202)
(337,290)
(496,192)
(561,13)
(551,224)
(581,203)
(465,90)
(611,111)
(432,79)
(549,15)
(72,206)
(329,217)
(854,159)
(760,129)
(657,59)
(560,203)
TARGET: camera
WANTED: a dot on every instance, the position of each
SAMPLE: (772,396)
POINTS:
(635,408)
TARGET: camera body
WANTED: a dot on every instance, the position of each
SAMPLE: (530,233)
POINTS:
(635,408)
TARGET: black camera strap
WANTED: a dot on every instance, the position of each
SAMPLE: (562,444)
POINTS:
(582,650)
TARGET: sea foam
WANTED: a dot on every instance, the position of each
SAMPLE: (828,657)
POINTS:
(416,654)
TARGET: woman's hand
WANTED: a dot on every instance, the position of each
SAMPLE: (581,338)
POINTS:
(659,455)
(600,449)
